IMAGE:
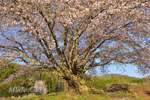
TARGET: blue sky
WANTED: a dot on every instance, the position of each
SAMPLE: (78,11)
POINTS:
(129,70)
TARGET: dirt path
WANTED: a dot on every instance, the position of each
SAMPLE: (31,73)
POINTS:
(120,97)
(125,98)
(140,90)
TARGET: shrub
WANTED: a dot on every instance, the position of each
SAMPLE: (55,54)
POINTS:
(14,88)
(50,81)
(5,72)
(138,81)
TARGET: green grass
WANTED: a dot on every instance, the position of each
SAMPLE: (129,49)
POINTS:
(65,96)
(101,83)
(69,96)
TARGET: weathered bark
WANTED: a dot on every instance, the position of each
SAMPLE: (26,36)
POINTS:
(77,84)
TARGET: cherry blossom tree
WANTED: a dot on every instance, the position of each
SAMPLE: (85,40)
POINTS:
(70,37)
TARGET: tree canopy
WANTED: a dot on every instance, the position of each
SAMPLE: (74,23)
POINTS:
(70,37)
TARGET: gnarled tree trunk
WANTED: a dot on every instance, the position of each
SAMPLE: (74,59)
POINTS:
(77,84)
(75,80)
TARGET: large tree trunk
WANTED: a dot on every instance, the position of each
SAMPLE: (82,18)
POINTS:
(75,81)
(77,84)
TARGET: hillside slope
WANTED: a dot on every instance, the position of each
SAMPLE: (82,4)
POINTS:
(17,75)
